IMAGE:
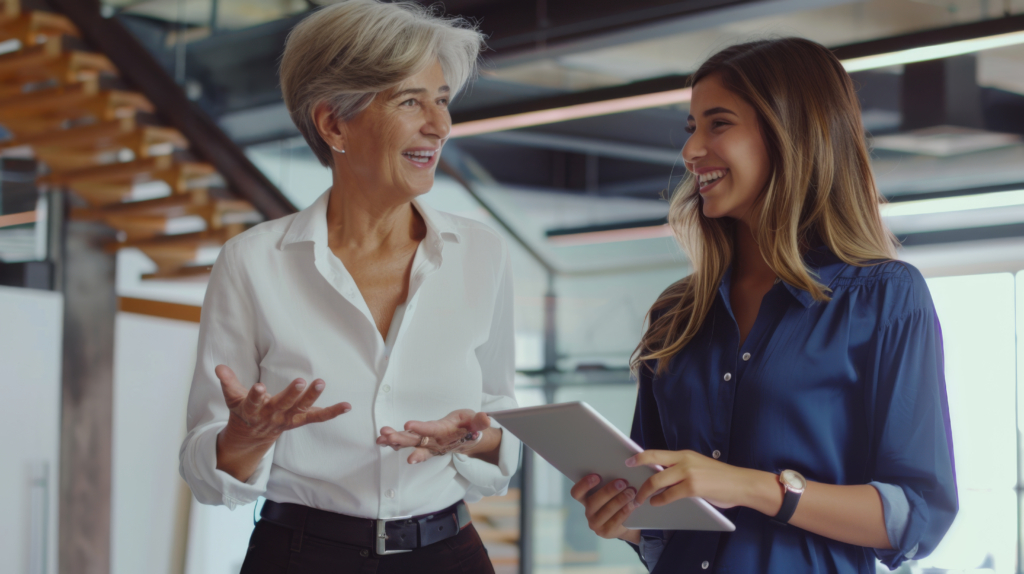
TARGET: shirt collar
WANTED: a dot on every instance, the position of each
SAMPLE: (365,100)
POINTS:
(824,265)
(310,224)
(820,261)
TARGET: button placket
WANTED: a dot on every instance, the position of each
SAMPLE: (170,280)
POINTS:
(704,565)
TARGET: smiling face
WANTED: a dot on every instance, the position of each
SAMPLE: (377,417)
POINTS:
(726,151)
(394,144)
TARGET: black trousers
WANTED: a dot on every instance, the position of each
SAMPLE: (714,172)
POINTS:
(270,552)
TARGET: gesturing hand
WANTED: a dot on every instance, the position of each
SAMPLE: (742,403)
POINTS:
(457,432)
(258,417)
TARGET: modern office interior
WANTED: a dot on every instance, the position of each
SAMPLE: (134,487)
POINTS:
(137,136)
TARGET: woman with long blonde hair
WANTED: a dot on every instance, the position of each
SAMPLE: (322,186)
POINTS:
(795,378)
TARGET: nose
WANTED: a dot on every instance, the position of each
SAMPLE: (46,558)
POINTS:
(694,148)
(437,122)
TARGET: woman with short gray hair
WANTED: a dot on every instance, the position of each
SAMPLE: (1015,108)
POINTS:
(404,310)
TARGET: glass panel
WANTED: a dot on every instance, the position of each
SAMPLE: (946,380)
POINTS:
(978,336)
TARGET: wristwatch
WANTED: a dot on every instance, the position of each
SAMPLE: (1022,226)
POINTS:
(793,485)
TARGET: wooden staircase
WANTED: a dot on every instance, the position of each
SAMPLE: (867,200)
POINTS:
(101,142)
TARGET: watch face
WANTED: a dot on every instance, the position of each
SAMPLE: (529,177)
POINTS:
(793,479)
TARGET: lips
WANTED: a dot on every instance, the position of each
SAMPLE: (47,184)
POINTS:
(710,179)
(421,157)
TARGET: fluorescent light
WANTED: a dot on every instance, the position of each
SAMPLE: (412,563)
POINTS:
(611,235)
(950,204)
(578,111)
(935,52)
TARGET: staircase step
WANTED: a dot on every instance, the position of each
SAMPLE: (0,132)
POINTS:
(187,273)
(34,27)
(216,212)
(47,110)
(101,144)
(173,252)
(171,206)
(181,176)
(207,238)
(50,60)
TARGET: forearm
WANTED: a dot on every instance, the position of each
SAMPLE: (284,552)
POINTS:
(239,455)
(852,514)
(487,448)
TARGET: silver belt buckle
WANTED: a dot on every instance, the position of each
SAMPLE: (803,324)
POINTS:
(382,536)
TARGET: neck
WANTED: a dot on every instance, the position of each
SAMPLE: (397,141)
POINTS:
(748,263)
(361,220)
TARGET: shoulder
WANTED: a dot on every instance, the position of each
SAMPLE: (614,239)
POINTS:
(478,238)
(257,240)
(898,286)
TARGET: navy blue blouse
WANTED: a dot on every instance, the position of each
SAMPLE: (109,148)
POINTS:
(851,391)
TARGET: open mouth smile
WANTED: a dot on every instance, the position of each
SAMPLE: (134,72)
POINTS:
(706,181)
(421,158)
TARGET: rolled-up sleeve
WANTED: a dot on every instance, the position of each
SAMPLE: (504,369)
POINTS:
(912,434)
(226,336)
(497,363)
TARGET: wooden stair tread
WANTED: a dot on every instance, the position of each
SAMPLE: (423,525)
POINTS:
(186,273)
(28,26)
(110,173)
(35,112)
(51,60)
(195,202)
(208,238)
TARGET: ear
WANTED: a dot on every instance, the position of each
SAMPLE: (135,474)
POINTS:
(332,129)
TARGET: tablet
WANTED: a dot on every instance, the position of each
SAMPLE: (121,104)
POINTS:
(578,441)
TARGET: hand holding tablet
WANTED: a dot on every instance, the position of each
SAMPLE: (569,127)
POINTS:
(578,441)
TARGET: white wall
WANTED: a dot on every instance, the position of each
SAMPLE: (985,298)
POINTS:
(31,331)
(153,363)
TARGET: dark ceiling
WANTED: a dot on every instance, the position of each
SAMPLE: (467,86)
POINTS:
(231,72)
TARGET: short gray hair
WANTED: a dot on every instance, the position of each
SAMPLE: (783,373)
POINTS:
(347,53)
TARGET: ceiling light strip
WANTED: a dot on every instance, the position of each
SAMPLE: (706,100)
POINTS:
(588,110)
(953,204)
(935,52)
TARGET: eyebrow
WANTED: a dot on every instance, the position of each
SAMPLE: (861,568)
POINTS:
(713,111)
(419,91)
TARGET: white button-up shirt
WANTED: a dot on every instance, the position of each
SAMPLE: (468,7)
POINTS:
(280,305)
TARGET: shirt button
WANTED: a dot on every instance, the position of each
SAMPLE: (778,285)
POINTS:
(390,493)
(746,356)
(717,454)
(386,388)
(728,376)
(704,565)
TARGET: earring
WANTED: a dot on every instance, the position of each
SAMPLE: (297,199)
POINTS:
(337,150)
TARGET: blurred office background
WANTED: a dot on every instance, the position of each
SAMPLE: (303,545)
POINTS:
(139,135)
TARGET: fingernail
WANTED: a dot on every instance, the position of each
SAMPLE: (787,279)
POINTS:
(300,384)
(319,386)
(631,461)
(593,479)
(631,492)
(620,484)
(633,504)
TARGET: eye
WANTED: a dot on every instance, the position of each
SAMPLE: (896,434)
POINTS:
(690,129)
(443,102)
(409,103)
(718,123)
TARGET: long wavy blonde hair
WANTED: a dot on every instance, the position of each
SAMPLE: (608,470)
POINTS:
(820,189)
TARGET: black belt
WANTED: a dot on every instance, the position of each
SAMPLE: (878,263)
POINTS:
(385,535)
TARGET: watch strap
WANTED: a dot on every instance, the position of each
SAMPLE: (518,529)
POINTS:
(789,502)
